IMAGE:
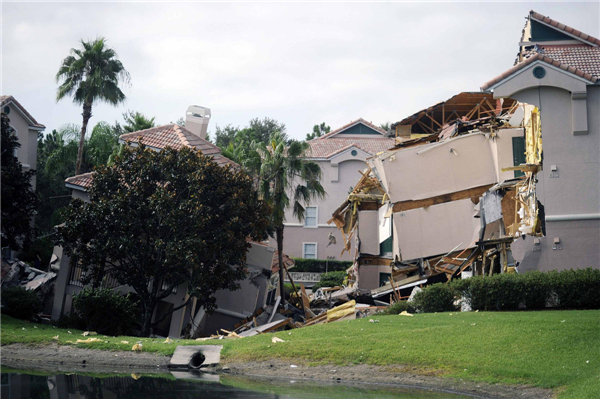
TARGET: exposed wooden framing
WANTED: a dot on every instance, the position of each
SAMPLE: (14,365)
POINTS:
(473,193)
(424,126)
(432,121)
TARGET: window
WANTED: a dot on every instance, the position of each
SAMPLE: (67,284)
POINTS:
(310,219)
(309,250)
(519,157)
(384,278)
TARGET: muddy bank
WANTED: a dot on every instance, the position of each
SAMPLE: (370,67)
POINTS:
(70,358)
(57,358)
(399,375)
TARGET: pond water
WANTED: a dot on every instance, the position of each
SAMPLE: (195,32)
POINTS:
(186,385)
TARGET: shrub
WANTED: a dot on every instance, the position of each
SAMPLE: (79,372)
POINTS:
(105,311)
(435,298)
(399,307)
(320,265)
(568,289)
(331,279)
(20,303)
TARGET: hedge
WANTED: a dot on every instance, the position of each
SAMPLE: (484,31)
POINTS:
(319,265)
(435,298)
(20,302)
(331,279)
(567,289)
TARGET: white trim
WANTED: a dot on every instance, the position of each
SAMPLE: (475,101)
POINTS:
(316,250)
(234,314)
(352,125)
(564,32)
(581,216)
(39,129)
(528,67)
(75,187)
(318,225)
(316,218)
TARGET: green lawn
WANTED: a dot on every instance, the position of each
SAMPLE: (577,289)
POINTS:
(550,349)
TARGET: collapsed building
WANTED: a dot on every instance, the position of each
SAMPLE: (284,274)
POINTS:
(470,188)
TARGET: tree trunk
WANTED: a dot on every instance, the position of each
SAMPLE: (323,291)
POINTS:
(87,114)
(146,320)
(279,235)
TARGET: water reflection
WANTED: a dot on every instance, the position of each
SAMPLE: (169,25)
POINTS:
(184,385)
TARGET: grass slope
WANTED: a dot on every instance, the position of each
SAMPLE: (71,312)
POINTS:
(550,349)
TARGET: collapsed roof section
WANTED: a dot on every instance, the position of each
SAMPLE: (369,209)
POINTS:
(465,106)
(431,207)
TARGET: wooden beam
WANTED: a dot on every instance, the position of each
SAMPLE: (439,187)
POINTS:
(424,126)
(473,193)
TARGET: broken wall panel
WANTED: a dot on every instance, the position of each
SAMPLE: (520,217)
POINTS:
(368,226)
(467,161)
(436,230)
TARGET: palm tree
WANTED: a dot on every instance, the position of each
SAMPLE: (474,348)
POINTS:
(136,121)
(285,178)
(90,75)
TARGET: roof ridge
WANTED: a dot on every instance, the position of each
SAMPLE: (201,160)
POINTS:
(539,57)
(348,125)
(7,98)
(138,132)
(562,27)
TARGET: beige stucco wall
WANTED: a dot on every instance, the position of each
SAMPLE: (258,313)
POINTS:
(457,164)
(368,224)
(368,276)
(337,182)
(27,153)
(576,191)
(437,229)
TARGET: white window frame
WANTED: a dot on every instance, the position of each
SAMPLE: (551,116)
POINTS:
(316,218)
(316,244)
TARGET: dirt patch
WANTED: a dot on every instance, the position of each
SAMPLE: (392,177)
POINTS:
(406,376)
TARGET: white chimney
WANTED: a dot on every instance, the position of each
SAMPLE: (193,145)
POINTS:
(196,120)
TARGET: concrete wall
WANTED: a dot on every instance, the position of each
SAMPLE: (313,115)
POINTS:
(337,182)
(575,193)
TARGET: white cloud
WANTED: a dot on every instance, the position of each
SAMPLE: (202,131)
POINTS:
(300,63)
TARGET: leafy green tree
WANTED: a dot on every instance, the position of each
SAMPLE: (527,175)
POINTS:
(18,198)
(265,128)
(285,179)
(90,75)
(156,220)
(225,135)
(387,126)
(136,121)
(318,131)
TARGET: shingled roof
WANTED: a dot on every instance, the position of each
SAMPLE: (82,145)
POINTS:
(562,27)
(5,100)
(84,180)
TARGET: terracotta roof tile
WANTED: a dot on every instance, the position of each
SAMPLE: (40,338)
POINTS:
(325,148)
(176,137)
(4,100)
(84,180)
(580,56)
(545,59)
(563,27)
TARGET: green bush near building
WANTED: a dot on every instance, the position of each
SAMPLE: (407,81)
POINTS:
(567,289)
(20,303)
(331,279)
(320,265)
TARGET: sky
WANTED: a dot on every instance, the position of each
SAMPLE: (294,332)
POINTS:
(298,63)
